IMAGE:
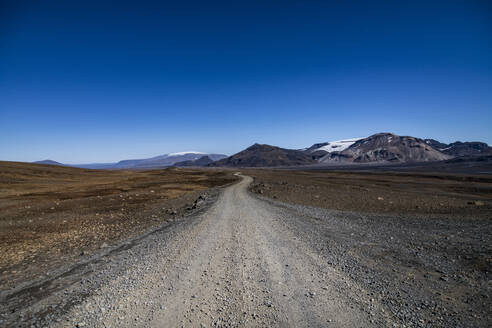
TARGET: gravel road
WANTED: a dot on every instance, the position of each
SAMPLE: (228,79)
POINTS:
(244,261)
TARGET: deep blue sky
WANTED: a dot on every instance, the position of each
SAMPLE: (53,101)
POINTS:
(83,81)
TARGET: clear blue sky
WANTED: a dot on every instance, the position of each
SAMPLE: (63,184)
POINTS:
(90,81)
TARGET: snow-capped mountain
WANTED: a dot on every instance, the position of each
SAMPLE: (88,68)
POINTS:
(185,153)
(339,145)
(386,147)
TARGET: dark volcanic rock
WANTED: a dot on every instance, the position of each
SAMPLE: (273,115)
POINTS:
(266,155)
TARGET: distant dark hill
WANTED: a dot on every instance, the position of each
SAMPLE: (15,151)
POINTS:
(264,156)
(473,148)
(202,161)
(387,147)
(49,162)
(458,148)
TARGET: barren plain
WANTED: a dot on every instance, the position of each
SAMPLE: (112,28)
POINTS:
(264,248)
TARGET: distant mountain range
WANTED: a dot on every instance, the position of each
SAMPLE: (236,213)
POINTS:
(378,148)
(146,163)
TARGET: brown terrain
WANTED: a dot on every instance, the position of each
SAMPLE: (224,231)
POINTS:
(379,192)
(54,215)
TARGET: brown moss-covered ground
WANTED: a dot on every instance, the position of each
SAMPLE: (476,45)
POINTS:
(52,215)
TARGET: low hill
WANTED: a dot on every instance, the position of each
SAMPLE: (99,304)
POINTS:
(48,162)
(266,156)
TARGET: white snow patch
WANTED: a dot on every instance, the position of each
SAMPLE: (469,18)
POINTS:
(338,145)
(185,153)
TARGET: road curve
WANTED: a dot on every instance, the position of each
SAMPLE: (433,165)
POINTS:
(239,264)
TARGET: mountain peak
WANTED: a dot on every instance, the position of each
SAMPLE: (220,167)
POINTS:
(263,155)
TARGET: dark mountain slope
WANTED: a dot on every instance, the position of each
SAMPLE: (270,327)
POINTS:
(265,155)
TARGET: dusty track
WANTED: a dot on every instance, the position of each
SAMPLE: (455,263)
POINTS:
(237,266)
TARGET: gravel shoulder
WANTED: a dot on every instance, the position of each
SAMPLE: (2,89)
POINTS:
(242,260)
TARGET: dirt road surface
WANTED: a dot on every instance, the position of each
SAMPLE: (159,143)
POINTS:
(249,262)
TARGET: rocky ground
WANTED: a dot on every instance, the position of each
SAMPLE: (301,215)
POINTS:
(240,259)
